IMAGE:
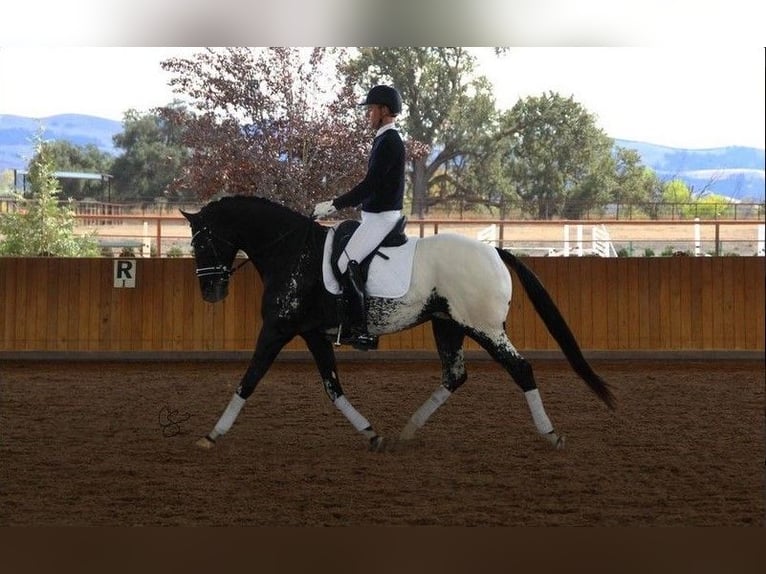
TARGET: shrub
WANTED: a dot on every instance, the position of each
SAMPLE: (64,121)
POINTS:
(174,251)
(668,251)
(44,227)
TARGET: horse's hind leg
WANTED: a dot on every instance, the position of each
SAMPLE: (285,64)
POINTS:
(449,342)
(500,348)
(324,357)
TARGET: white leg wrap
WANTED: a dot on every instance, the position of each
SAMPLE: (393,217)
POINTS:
(542,422)
(354,417)
(437,399)
(228,417)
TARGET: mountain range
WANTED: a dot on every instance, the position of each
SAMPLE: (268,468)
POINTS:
(733,171)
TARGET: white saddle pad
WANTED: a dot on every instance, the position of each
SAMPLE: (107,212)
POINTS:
(388,278)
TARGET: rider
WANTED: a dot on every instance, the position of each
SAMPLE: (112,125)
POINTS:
(380,193)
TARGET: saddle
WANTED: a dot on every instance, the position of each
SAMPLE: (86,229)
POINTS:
(345,230)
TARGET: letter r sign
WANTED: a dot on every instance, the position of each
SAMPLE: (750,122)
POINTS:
(124,272)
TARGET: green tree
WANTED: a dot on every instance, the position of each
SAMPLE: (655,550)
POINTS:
(561,162)
(676,197)
(43,226)
(153,154)
(679,198)
(636,186)
(6,180)
(449,110)
(711,206)
(67,156)
(676,191)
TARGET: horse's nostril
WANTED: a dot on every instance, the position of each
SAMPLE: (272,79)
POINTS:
(215,292)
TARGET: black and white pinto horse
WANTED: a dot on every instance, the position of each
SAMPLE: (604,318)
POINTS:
(461,285)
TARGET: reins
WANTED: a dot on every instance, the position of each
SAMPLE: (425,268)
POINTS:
(225,271)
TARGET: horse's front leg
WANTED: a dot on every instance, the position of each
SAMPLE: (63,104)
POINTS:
(324,356)
(270,343)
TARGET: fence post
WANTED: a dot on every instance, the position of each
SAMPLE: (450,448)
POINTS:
(717,238)
(697,236)
(159,237)
(145,247)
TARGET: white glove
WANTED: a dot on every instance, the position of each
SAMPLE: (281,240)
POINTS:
(323,209)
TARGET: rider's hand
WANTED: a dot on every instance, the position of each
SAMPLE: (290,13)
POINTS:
(323,209)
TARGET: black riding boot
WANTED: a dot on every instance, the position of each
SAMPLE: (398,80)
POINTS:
(354,324)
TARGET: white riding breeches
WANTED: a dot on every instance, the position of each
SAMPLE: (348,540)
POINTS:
(373,228)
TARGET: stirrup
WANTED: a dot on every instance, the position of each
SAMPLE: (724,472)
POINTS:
(365,342)
(359,341)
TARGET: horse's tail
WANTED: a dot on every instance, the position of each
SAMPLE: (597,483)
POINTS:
(557,326)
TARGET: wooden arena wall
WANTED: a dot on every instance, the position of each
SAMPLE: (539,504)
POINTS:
(621,304)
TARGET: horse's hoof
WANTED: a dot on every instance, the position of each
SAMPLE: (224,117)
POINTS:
(408,432)
(377,444)
(205,443)
(555,440)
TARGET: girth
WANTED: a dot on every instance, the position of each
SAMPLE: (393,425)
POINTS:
(345,230)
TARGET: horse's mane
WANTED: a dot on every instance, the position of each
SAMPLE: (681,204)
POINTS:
(250,205)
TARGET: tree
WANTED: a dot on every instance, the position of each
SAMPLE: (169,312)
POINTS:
(635,184)
(6,180)
(153,155)
(43,226)
(560,160)
(712,206)
(66,156)
(684,204)
(449,110)
(278,122)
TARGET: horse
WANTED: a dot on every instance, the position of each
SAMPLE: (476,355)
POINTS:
(461,285)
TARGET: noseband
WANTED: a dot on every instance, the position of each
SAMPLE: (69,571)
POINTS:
(220,271)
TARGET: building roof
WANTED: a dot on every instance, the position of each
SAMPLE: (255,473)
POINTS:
(73,174)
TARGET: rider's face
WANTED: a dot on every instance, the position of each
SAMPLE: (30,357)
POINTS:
(375,115)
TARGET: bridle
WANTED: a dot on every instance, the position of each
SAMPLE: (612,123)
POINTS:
(219,271)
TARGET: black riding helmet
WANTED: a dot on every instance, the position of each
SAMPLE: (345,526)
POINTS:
(385,96)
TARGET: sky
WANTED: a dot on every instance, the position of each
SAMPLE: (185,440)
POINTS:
(687,97)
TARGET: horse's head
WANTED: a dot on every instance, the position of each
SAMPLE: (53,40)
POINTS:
(214,255)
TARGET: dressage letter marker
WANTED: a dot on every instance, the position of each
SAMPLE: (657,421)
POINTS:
(125,273)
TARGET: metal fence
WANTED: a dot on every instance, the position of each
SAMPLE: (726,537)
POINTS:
(169,235)
(157,229)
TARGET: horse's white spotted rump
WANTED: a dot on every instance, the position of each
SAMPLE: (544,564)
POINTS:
(468,276)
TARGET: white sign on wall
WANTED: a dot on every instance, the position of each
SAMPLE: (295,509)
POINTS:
(125,273)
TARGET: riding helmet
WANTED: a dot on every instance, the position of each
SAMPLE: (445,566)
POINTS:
(385,96)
